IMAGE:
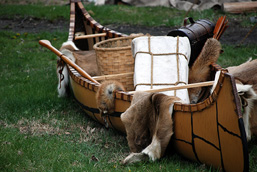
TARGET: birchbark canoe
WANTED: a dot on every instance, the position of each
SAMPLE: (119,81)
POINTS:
(210,132)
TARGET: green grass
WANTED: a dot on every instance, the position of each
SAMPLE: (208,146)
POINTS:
(111,14)
(234,55)
(40,132)
(37,11)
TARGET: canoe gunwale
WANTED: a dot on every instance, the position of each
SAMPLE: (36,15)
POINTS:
(93,23)
(125,96)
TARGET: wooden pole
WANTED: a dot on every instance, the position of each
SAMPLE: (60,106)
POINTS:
(83,73)
(240,7)
(248,34)
(201,84)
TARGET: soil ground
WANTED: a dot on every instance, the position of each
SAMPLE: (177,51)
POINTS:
(233,35)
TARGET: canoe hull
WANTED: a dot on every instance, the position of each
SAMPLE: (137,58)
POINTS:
(216,130)
(211,132)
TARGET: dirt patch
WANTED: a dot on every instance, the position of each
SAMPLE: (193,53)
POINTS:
(32,25)
(233,35)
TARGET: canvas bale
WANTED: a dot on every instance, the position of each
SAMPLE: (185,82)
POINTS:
(161,62)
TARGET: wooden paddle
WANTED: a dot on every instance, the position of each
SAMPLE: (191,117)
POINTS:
(83,73)
(220,27)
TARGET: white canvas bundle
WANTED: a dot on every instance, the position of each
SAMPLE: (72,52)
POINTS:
(162,68)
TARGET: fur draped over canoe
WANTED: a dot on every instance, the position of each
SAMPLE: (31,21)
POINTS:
(149,116)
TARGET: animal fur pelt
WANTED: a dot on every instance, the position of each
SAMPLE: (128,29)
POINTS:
(84,59)
(246,73)
(105,97)
(62,71)
(249,105)
(149,126)
(200,70)
(246,83)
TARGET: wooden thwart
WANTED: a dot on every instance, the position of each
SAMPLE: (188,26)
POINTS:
(90,36)
(201,84)
(105,77)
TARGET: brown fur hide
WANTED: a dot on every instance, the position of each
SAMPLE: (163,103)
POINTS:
(105,96)
(246,73)
(200,70)
(149,126)
(85,59)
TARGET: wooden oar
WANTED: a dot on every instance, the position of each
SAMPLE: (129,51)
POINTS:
(217,27)
(223,28)
(201,84)
(220,27)
(83,73)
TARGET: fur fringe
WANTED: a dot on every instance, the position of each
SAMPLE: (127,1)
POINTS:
(105,96)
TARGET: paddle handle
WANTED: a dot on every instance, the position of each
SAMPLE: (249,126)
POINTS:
(83,73)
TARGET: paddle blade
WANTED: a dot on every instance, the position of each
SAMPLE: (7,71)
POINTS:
(220,27)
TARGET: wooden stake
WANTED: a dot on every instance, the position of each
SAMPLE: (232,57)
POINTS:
(247,34)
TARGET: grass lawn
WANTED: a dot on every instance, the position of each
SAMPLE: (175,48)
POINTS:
(40,132)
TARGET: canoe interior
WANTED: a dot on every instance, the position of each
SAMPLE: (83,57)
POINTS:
(210,132)
(82,23)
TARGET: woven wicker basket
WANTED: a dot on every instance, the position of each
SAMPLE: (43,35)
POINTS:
(114,56)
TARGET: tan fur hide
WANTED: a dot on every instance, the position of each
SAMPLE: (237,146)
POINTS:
(105,96)
(85,59)
(200,70)
(246,73)
(148,123)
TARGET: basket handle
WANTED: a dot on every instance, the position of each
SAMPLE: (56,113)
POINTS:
(190,19)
